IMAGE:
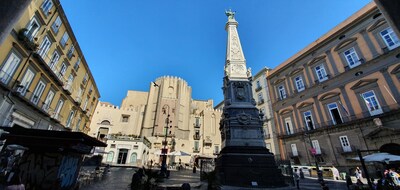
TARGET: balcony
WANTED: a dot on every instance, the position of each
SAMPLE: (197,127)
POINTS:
(196,150)
(267,136)
(28,43)
(196,137)
(51,67)
(197,125)
(258,88)
(294,154)
(348,150)
(260,102)
(68,88)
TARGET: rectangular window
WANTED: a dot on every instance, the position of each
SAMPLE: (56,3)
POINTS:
(260,98)
(390,38)
(258,84)
(26,82)
(64,39)
(86,103)
(308,120)
(68,85)
(321,73)
(216,149)
(76,66)
(63,69)
(71,52)
(32,29)
(316,147)
(56,25)
(37,93)
(44,48)
(335,113)
(196,146)
(125,118)
(299,83)
(294,149)
(372,103)
(9,67)
(262,110)
(352,57)
(70,118)
(78,123)
(282,93)
(344,141)
(85,78)
(54,60)
(48,100)
(56,113)
(288,126)
(46,6)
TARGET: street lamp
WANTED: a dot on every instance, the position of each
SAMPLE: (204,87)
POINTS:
(313,152)
(165,110)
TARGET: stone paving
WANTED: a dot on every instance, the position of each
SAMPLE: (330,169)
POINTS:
(120,178)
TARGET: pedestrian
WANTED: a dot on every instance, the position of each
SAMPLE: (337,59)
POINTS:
(151,163)
(297,179)
(137,179)
(15,182)
(301,174)
(194,169)
(358,175)
(349,183)
(335,173)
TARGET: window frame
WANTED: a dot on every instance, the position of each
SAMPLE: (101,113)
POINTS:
(10,64)
(319,73)
(56,25)
(352,54)
(282,92)
(374,100)
(391,36)
(299,83)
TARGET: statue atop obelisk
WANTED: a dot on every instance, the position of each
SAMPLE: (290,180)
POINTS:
(244,160)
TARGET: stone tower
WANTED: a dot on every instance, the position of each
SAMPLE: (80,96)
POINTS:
(244,160)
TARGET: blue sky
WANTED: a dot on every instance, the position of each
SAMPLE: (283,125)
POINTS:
(129,43)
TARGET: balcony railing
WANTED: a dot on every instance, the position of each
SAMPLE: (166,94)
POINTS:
(260,102)
(294,154)
(345,121)
(346,150)
(258,88)
(52,68)
(197,125)
(196,150)
(28,43)
(267,136)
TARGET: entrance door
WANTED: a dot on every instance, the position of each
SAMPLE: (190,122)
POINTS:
(123,153)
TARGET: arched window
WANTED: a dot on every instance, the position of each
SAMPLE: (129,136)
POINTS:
(105,122)
(110,156)
(133,158)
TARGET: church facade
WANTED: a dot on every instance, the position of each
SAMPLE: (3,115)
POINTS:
(138,130)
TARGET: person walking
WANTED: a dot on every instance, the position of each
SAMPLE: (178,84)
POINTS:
(358,175)
(297,179)
(349,183)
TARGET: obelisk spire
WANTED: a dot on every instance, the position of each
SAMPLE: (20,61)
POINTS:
(235,63)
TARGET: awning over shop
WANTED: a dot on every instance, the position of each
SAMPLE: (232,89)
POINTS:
(50,141)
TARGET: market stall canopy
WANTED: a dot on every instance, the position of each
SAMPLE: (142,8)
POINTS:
(382,157)
(51,141)
(179,153)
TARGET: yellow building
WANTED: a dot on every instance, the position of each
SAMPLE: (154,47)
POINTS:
(44,78)
(340,94)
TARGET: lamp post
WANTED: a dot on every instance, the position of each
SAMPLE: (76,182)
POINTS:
(165,110)
(319,172)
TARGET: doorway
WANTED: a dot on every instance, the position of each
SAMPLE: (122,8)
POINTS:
(123,153)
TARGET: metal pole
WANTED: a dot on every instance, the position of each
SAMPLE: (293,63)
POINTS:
(364,168)
(319,173)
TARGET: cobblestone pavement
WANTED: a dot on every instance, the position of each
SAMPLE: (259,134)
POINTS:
(120,178)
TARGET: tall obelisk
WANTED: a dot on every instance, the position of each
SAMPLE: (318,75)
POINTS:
(244,160)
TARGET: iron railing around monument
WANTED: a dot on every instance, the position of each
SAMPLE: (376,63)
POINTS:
(206,166)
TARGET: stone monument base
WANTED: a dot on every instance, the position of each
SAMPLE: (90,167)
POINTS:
(248,167)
